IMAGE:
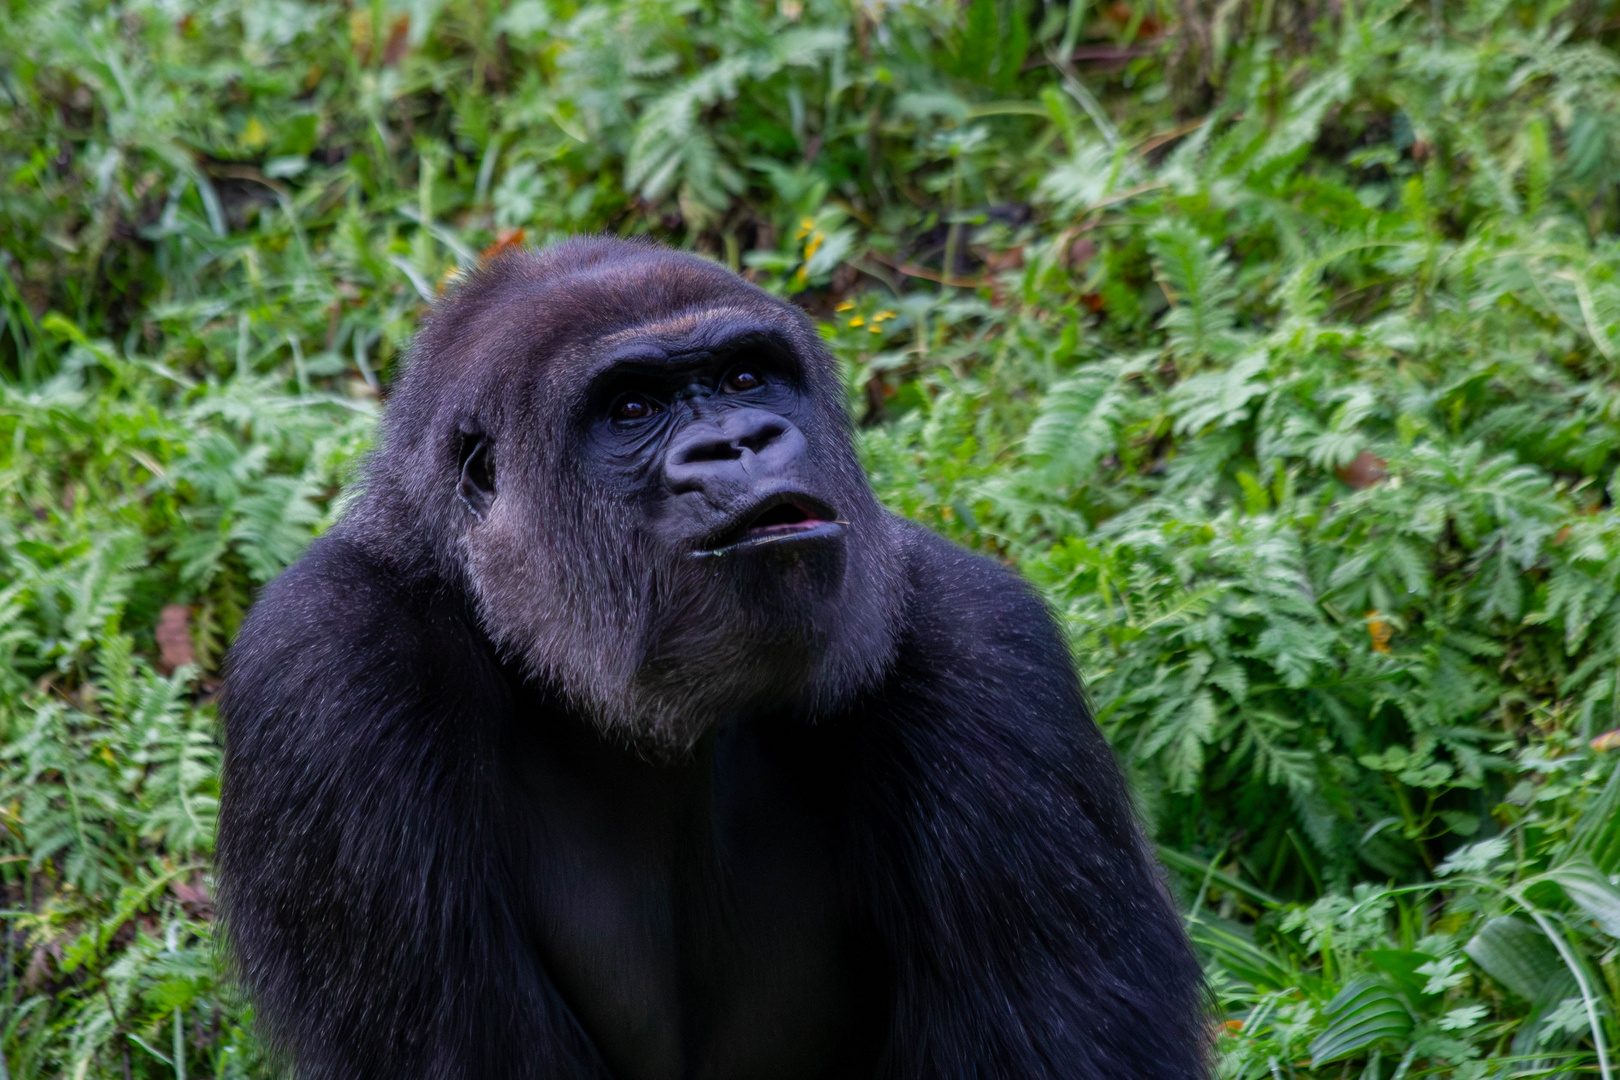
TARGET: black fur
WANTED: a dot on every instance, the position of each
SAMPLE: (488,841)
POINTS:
(517,786)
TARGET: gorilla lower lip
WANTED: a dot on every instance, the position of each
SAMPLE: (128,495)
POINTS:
(784,520)
(814,530)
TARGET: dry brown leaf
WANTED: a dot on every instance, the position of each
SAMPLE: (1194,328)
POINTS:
(174,638)
(505,241)
(1366,470)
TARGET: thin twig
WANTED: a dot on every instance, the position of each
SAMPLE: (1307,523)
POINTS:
(912,270)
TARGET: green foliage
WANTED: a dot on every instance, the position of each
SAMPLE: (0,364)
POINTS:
(1277,343)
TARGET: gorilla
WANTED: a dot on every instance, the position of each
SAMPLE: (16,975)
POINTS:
(616,730)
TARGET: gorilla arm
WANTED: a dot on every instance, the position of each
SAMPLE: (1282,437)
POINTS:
(1030,933)
(370,896)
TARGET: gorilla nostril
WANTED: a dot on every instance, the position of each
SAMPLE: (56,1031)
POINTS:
(728,442)
(716,449)
(761,436)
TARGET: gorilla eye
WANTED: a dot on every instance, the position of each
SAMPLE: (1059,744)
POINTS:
(741,379)
(633,407)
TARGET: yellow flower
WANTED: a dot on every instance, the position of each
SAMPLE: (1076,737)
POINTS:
(845,306)
(1379,631)
(254,134)
(857,322)
(804,228)
(813,245)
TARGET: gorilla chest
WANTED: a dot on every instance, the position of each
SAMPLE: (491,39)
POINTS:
(690,918)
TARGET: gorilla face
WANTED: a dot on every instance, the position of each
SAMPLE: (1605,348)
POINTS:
(691,477)
(710,434)
(653,499)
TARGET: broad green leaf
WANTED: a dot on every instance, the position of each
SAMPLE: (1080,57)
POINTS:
(1359,1016)
(1515,953)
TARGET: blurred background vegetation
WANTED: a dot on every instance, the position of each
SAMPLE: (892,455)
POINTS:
(1277,341)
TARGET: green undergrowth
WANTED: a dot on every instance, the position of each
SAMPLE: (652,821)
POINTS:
(1278,343)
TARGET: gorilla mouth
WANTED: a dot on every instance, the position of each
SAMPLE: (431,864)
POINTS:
(785,517)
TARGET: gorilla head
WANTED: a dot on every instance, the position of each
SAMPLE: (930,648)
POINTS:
(640,468)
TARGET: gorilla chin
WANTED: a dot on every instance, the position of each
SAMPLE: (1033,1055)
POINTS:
(764,586)
(617,732)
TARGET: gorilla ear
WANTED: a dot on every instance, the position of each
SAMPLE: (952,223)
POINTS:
(476,487)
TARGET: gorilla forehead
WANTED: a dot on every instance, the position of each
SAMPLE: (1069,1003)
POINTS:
(559,316)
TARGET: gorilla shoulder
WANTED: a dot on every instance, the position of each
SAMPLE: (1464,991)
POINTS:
(343,630)
(970,613)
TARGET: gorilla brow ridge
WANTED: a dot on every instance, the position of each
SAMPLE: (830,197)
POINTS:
(685,322)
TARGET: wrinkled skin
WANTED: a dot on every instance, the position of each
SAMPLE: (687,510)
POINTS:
(618,731)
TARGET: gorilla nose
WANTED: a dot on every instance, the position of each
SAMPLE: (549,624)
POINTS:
(740,448)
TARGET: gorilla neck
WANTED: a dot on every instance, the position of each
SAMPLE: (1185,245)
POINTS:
(726,651)
(692,685)
(707,880)
(759,642)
